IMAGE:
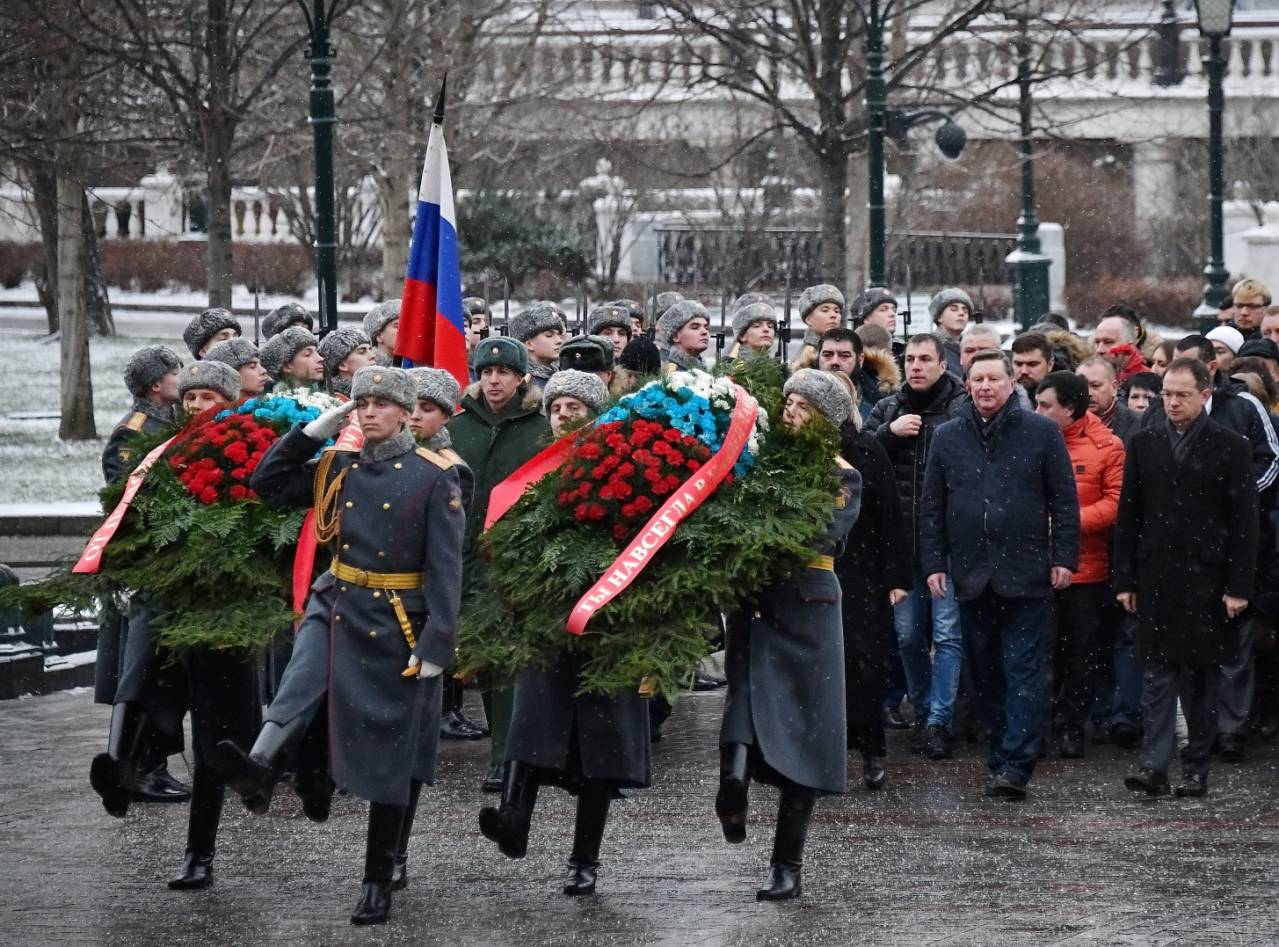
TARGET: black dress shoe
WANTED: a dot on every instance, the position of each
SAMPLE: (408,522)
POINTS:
(1150,781)
(493,781)
(1232,748)
(1192,785)
(375,903)
(159,786)
(1006,787)
(873,773)
(893,719)
(783,883)
(1071,746)
(1125,735)
(708,682)
(400,873)
(453,726)
(937,743)
(197,872)
(581,876)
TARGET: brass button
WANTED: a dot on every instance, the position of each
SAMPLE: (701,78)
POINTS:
(349,504)
(346,546)
(381,554)
(372,634)
(337,617)
(377,594)
(386,506)
(355,466)
(398,465)
(343,589)
(759,614)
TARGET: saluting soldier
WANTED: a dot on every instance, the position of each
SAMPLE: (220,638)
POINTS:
(380,623)
(151,375)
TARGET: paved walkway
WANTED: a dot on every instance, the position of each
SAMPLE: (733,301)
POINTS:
(927,861)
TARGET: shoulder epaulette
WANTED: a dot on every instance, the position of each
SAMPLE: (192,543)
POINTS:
(338,447)
(444,463)
(136,420)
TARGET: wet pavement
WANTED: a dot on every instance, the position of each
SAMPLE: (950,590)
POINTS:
(927,861)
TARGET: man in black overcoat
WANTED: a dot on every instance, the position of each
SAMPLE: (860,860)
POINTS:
(1186,550)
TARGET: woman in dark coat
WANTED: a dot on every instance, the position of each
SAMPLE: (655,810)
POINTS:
(590,745)
(784,719)
(874,573)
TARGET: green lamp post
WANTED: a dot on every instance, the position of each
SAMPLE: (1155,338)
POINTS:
(1215,19)
(322,119)
(1027,265)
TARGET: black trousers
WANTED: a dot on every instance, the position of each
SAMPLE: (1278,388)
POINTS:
(1197,686)
(1079,659)
(865,686)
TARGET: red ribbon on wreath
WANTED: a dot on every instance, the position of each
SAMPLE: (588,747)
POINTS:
(90,560)
(666,520)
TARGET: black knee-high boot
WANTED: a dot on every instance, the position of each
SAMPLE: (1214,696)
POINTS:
(508,825)
(400,873)
(793,814)
(385,822)
(253,775)
(311,779)
(588,833)
(207,792)
(111,773)
(734,782)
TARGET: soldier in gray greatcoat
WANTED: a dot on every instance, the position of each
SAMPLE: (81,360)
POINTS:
(151,375)
(784,718)
(591,745)
(380,623)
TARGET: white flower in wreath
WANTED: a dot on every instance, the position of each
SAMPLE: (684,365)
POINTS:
(305,398)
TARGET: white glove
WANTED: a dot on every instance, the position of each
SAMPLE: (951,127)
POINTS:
(329,423)
(425,669)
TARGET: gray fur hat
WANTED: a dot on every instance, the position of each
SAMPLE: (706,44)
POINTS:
(279,350)
(871,300)
(588,353)
(634,308)
(338,344)
(234,352)
(538,317)
(815,296)
(281,317)
(744,316)
(583,386)
(823,391)
(746,299)
(437,386)
(501,350)
(475,304)
(393,384)
(205,326)
(148,365)
(938,303)
(663,301)
(216,376)
(376,319)
(678,316)
(610,315)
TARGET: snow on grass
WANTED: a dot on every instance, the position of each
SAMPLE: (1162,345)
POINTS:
(38,467)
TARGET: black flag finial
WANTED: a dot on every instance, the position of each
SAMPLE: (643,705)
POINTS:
(439,101)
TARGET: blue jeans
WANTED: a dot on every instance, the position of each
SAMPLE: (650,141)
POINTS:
(1006,654)
(932,684)
(1126,707)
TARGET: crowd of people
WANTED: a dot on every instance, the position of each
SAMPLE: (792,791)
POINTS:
(1039,543)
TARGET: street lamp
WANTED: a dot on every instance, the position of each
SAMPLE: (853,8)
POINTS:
(1027,265)
(882,122)
(1215,18)
(322,118)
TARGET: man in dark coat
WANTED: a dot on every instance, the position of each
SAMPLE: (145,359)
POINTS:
(1001,516)
(151,375)
(380,623)
(874,573)
(500,426)
(928,634)
(1186,551)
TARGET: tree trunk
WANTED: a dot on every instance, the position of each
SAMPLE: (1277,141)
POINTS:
(97,301)
(218,156)
(834,168)
(44,191)
(76,383)
(857,236)
(397,226)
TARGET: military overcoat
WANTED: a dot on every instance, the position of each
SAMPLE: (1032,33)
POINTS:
(398,510)
(784,658)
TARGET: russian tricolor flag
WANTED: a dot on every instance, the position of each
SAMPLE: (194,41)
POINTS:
(432,327)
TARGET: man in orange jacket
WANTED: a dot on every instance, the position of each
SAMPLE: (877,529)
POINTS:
(1097,457)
